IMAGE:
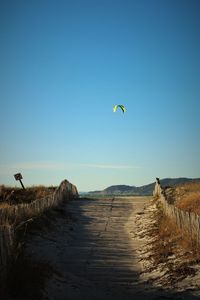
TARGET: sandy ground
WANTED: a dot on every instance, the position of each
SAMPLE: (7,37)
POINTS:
(97,254)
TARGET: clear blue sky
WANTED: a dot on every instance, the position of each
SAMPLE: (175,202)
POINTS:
(64,64)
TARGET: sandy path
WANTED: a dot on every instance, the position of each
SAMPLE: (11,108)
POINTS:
(94,257)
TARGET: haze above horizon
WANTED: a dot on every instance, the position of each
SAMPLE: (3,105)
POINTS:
(65,64)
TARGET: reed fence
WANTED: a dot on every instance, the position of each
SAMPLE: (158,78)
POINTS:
(11,217)
(186,221)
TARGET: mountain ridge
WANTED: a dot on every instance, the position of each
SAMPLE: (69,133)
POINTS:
(144,190)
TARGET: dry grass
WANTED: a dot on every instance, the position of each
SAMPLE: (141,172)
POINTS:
(11,196)
(4,205)
(188,197)
(172,251)
(171,235)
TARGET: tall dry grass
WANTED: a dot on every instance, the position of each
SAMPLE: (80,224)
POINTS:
(172,252)
(188,197)
(12,195)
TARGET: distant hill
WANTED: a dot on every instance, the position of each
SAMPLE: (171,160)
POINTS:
(144,190)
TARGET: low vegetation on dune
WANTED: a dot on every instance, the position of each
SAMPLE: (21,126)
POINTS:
(171,256)
(188,197)
(11,196)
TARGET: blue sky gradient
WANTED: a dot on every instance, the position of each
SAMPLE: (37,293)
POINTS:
(65,64)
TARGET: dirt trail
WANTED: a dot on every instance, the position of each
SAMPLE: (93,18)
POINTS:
(94,256)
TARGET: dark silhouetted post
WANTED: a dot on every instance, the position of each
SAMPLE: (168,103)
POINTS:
(19,177)
(158,180)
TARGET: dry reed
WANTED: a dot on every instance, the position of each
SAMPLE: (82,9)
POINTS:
(188,197)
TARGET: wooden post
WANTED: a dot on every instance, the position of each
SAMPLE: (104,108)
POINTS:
(22,184)
(158,180)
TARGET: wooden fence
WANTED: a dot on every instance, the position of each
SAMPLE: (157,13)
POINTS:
(11,217)
(186,221)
